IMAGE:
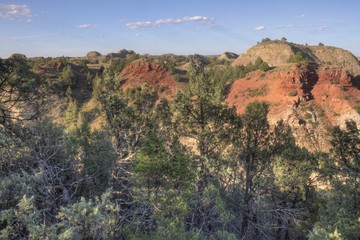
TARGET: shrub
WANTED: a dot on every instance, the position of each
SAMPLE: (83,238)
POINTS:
(293,93)
(357,108)
(266,40)
(256,92)
(261,65)
(298,58)
(176,77)
(67,77)
(164,89)
(308,116)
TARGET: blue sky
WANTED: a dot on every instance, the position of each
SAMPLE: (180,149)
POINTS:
(73,28)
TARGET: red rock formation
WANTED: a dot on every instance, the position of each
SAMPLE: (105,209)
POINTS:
(335,75)
(308,97)
(153,74)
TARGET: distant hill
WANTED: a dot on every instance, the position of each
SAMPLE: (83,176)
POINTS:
(228,56)
(120,54)
(93,54)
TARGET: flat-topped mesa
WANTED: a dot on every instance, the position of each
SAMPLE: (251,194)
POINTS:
(277,53)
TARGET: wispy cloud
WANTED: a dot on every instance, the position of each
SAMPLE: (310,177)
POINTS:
(259,28)
(169,21)
(299,16)
(323,28)
(15,12)
(327,20)
(294,26)
(25,37)
(87,26)
(330,20)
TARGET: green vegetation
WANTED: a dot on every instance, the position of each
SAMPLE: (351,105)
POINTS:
(118,64)
(299,57)
(340,211)
(265,40)
(293,93)
(67,77)
(170,66)
(357,108)
(19,86)
(177,77)
(256,92)
(342,88)
(189,168)
(227,73)
(307,116)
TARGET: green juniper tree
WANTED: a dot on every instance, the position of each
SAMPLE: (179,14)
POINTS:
(202,115)
(20,92)
(257,190)
(341,169)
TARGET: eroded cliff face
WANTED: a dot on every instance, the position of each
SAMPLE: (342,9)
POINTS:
(310,98)
(337,94)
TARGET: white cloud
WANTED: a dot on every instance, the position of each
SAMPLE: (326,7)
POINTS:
(169,21)
(323,28)
(294,26)
(299,16)
(13,11)
(260,28)
(87,26)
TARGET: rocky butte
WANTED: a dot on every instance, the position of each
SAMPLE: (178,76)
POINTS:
(310,95)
